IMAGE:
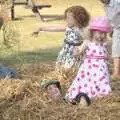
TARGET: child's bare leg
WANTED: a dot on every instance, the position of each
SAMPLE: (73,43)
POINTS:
(83,102)
(116,66)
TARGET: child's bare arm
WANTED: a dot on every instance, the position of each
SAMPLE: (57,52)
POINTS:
(108,46)
(83,47)
(54,28)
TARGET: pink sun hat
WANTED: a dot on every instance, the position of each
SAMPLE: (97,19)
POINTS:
(100,24)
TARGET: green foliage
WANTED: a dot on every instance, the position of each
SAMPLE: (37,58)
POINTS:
(10,35)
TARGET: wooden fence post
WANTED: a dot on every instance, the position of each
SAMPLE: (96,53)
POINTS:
(12,11)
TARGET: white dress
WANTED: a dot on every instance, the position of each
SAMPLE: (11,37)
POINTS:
(93,75)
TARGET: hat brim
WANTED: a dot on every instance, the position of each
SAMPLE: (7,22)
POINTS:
(50,82)
(100,29)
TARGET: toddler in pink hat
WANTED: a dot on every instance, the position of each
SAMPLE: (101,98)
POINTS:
(93,77)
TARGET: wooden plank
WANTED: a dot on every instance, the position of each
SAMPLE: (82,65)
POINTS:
(42,6)
(12,11)
(34,8)
(21,3)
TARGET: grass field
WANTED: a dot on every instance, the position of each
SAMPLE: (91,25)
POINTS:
(46,45)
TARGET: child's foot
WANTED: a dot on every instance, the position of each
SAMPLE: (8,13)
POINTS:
(72,102)
(83,102)
(83,99)
(69,101)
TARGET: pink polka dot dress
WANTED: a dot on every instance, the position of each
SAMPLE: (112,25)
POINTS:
(93,75)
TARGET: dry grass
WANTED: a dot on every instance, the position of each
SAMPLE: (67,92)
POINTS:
(24,100)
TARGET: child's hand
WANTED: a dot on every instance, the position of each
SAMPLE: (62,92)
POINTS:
(35,33)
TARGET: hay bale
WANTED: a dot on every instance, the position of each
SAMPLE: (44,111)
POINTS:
(11,88)
(35,105)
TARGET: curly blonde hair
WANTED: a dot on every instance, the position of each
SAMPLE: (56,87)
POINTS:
(80,14)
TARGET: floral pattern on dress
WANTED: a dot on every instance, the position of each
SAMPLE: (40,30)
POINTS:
(93,75)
